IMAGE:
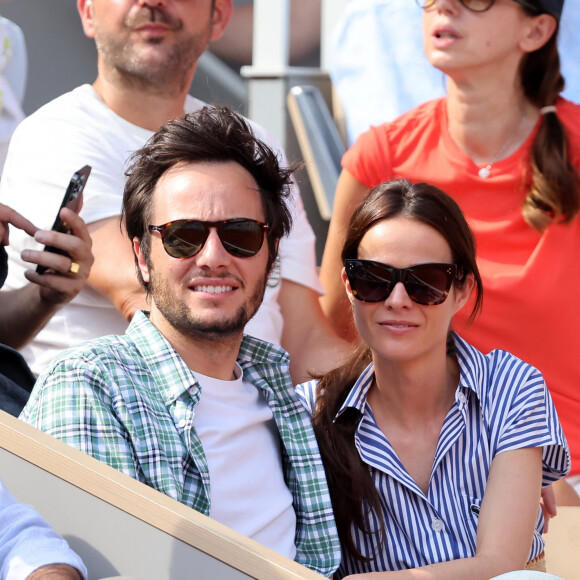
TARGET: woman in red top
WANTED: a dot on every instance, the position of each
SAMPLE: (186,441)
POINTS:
(506,146)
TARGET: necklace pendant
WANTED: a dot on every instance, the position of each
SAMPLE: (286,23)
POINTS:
(484,172)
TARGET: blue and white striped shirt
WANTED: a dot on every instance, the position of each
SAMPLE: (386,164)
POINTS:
(501,404)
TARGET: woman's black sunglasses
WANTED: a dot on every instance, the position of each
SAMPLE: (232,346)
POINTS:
(241,237)
(426,284)
(481,5)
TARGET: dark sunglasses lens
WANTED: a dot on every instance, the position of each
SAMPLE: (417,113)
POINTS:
(429,284)
(370,283)
(242,239)
(184,239)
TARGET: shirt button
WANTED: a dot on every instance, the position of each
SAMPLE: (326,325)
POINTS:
(437,525)
(462,398)
(182,423)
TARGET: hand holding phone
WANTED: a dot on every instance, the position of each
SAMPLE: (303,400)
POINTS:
(72,199)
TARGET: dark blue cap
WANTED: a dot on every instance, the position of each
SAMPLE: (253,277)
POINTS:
(553,7)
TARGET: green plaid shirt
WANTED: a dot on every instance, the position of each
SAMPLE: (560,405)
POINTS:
(130,400)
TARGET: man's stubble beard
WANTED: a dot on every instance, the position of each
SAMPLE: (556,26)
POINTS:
(182,319)
(166,70)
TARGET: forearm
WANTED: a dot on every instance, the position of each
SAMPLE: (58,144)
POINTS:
(114,272)
(30,547)
(309,338)
(335,304)
(319,351)
(476,568)
(23,313)
(128,300)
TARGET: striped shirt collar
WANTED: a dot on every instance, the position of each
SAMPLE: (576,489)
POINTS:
(471,365)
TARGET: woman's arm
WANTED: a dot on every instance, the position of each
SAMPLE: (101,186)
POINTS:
(349,193)
(506,523)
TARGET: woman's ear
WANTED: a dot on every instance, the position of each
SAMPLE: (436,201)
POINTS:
(541,28)
(347,286)
(463,291)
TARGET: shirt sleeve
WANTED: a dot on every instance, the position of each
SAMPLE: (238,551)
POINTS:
(531,420)
(71,402)
(27,542)
(369,159)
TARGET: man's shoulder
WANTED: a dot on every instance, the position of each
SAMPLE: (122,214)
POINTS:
(66,123)
(65,106)
(106,352)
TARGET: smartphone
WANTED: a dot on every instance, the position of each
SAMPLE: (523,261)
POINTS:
(72,199)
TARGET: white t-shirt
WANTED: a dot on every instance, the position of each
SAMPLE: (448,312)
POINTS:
(242,446)
(77,129)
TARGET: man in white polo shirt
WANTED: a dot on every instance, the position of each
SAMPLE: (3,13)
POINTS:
(147,53)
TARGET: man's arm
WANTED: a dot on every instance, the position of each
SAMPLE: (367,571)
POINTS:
(308,336)
(114,273)
(30,548)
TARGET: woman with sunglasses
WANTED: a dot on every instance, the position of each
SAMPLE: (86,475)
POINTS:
(506,147)
(434,453)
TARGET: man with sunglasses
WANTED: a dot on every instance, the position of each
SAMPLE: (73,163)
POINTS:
(184,401)
(147,56)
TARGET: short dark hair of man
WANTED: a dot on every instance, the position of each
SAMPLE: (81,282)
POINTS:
(210,135)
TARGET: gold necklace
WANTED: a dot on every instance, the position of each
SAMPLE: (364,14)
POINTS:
(485,172)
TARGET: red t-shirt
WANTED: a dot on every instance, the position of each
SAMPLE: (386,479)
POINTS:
(531,281)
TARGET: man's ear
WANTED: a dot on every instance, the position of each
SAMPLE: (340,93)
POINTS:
(86,12)
(272,261)
(539,31)
(222,13)
(141,261)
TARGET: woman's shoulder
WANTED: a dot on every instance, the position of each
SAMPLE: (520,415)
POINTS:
(429,113)
(489,373)
(427,116)
(378,151)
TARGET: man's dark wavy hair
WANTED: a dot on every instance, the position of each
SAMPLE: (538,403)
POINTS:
(211,135)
